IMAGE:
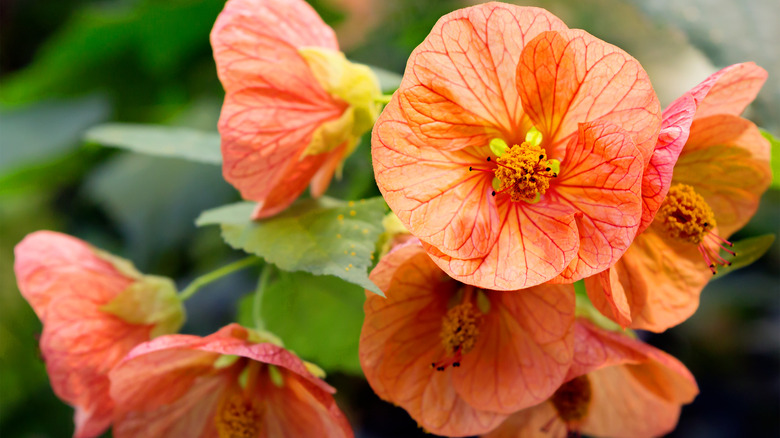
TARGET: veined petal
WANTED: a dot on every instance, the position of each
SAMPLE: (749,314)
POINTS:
(601,179)
(610,297)
(569,77)
(432,191)
(458,89)
(526,342)
(675,128)
(536,242)
(730,90)
(726,160)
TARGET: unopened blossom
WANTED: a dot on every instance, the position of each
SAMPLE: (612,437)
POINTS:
(232,383)
(618,387)
(713,190)
(94,308)
(457,358)
(294,107)
(514,148)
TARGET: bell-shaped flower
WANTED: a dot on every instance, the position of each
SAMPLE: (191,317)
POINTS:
(94,308)
(294,107)
(617,387)
(460,359)
(711,192)
(233,383)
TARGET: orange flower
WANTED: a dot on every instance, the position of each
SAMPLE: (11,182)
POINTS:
(713,191)
(228,384)
(617,387)
(294,106)
(94,308)
(514,147)
(457,358)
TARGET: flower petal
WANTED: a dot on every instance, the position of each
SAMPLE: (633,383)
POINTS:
(608,295)
(432,191)
(726,160)
(570,77)
(526,342)
(730,90)
(540,421)
(675,128)
(458,89)
(601,179)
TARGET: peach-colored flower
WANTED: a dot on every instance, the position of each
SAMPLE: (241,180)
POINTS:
(94,308)
(617,387)
(722,170)
(457,358)
(294,106)
(514,148)
(228,384)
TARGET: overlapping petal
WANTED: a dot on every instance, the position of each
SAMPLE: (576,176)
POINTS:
(521,355)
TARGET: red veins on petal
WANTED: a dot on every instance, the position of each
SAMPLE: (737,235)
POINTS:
(459,87)
(273,102)
(569,77)
(171,386)
(730,90)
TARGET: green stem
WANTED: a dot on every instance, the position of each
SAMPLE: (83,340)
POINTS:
(216,275)
(385,98)
(257,302)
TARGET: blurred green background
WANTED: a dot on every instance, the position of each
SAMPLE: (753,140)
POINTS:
(70,64)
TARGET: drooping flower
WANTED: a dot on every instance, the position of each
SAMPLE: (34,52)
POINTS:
(617,387)
(713,190)
(457,358)
(229,384)
(514,148)
(94,308)
(294,106)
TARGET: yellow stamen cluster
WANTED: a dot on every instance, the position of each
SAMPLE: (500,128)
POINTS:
(685,215)
(572,399)
(524,171)
(460,328)
(238,417)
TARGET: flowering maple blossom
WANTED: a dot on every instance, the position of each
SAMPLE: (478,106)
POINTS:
(229,384)
(294,106)
(713,190)
(514,147)
(457,358)
(94,308)
(617,387)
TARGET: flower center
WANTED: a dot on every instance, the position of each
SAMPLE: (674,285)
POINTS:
(524,172)
(459,332)
(572,399)
(238,416)
(685,216)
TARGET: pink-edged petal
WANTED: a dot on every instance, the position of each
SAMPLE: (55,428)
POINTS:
(300,409)
(675,128)
(608,295)
(536,242)
(569,77)
(432,191)
(726,160)
(523,352)
(601,179)
(730,90)
(48,264)
(458,89)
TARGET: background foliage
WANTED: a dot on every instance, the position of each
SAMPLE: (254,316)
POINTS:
(70,64)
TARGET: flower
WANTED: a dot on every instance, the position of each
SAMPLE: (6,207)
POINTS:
(713,190)
(617,387)
(294,106)
(514,148)
(459,359)
(94,308)
(229,384)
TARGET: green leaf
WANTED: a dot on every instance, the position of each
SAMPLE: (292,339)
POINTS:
(322,236)
(774,158)
(165,141)
(388,80)
(317,317)
(748,251)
